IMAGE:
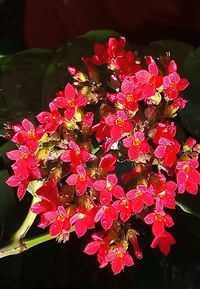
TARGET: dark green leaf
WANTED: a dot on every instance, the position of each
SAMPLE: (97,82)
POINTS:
(191,70)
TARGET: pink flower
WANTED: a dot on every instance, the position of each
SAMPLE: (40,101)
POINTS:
(49,196)
(81,180)
(100,247)
(172,83)
(148,81)
(87,121)
(137,145)
(27,134)
(59,223)
(119,124)
(127,97)
(25,170)
(75,155)
(83,220)
(108,188)
(106,215)
(159,221)
(167,151)
(49,120)
(119,258)
(124,208)
(188,178)
(167,194)
(140,196)
(70,100)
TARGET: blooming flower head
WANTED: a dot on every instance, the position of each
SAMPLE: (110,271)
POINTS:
(107,157)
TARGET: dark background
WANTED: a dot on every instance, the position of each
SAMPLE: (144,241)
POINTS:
(50,24)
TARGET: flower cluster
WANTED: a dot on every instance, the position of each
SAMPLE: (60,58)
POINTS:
(107,155)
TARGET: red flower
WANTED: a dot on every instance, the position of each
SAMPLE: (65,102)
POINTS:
(148,81)
(163,130)
(137,145)
(173,84)
(106,215)
(99,246)
(178,103)
(125,65)
(118,259)
(25,169)
(49,196)
(26,134)
(81,180)
(75,155)
(159,221)
(49,120)
(124,208)
(83,220)
(140,196)
(59,223)
(70,100)
(127,97)
(166,194)
(188,178)
(87,121)
(25,165)
(189,144)
(119,124)
(164,241)
(132,237)
(14,181)
(102,131)
(107,162)
(167,150)
(104,54)
(108,188)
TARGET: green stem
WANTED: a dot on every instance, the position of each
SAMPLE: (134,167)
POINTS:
(30,218)
(19,246)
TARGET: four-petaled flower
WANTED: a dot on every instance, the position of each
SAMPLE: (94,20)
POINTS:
(108,188)
(119,123)
(167,151)
(81,180)
(188,178)
(118,259)
(139,197)
(160,220)
(127,97)
(106,215)
(173,84)
(137,145)
(75,155)
(70,100)
(59,223)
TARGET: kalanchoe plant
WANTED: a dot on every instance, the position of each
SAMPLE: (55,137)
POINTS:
(105,156)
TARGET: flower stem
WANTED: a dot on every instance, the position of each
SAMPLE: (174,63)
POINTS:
(20,245)
(30,218)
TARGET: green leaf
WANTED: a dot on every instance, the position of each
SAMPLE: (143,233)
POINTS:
(190,116)
(189,204)
(7,202)
(21,82)
(100,35)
